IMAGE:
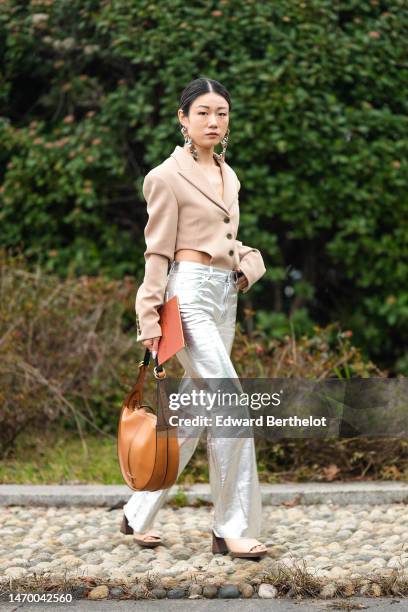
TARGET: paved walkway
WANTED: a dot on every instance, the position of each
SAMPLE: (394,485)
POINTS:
(339,493)
(72,532)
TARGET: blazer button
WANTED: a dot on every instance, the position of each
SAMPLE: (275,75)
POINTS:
(226,219)
(229,235)
(230,252)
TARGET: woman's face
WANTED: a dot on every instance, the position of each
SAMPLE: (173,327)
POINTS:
(208,113)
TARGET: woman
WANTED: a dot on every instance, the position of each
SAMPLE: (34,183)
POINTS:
(192,203)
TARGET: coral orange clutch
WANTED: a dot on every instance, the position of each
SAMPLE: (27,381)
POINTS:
(172,338)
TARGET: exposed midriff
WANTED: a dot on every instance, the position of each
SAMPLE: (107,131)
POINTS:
(192,255)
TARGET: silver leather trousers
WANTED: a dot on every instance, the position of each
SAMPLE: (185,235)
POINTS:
(208,304)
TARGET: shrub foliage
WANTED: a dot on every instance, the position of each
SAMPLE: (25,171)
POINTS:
(68,352)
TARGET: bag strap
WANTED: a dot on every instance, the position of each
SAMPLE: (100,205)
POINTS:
(134,401)
(162,399)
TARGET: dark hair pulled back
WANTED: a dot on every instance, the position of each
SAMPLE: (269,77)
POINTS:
(197,88)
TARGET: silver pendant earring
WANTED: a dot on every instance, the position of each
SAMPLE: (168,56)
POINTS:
(189,142)
(221,156)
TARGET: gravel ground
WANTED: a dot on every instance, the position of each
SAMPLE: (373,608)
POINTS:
(330,542)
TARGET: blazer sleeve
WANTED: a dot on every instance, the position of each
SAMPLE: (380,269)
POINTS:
(251,264)
(250,259)
(160,237)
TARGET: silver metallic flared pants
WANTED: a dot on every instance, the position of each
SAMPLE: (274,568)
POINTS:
(208,305)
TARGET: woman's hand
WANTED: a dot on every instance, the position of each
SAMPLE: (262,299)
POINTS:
(242,281)
(152,344)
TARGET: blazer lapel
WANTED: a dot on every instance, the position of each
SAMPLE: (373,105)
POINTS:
(191,171)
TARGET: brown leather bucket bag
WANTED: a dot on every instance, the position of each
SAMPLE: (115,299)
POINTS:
(148,448)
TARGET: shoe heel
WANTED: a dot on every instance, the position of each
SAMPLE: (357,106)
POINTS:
(218,545)
(125,527)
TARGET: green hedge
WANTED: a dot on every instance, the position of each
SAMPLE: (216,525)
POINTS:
(88,104)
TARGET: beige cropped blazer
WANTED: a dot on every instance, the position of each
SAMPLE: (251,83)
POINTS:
(185,212)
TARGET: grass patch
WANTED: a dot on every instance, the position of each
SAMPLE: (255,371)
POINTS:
(58,456)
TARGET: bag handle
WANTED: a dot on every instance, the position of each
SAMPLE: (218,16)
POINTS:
(158,371)
(162,399)
(134,400)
